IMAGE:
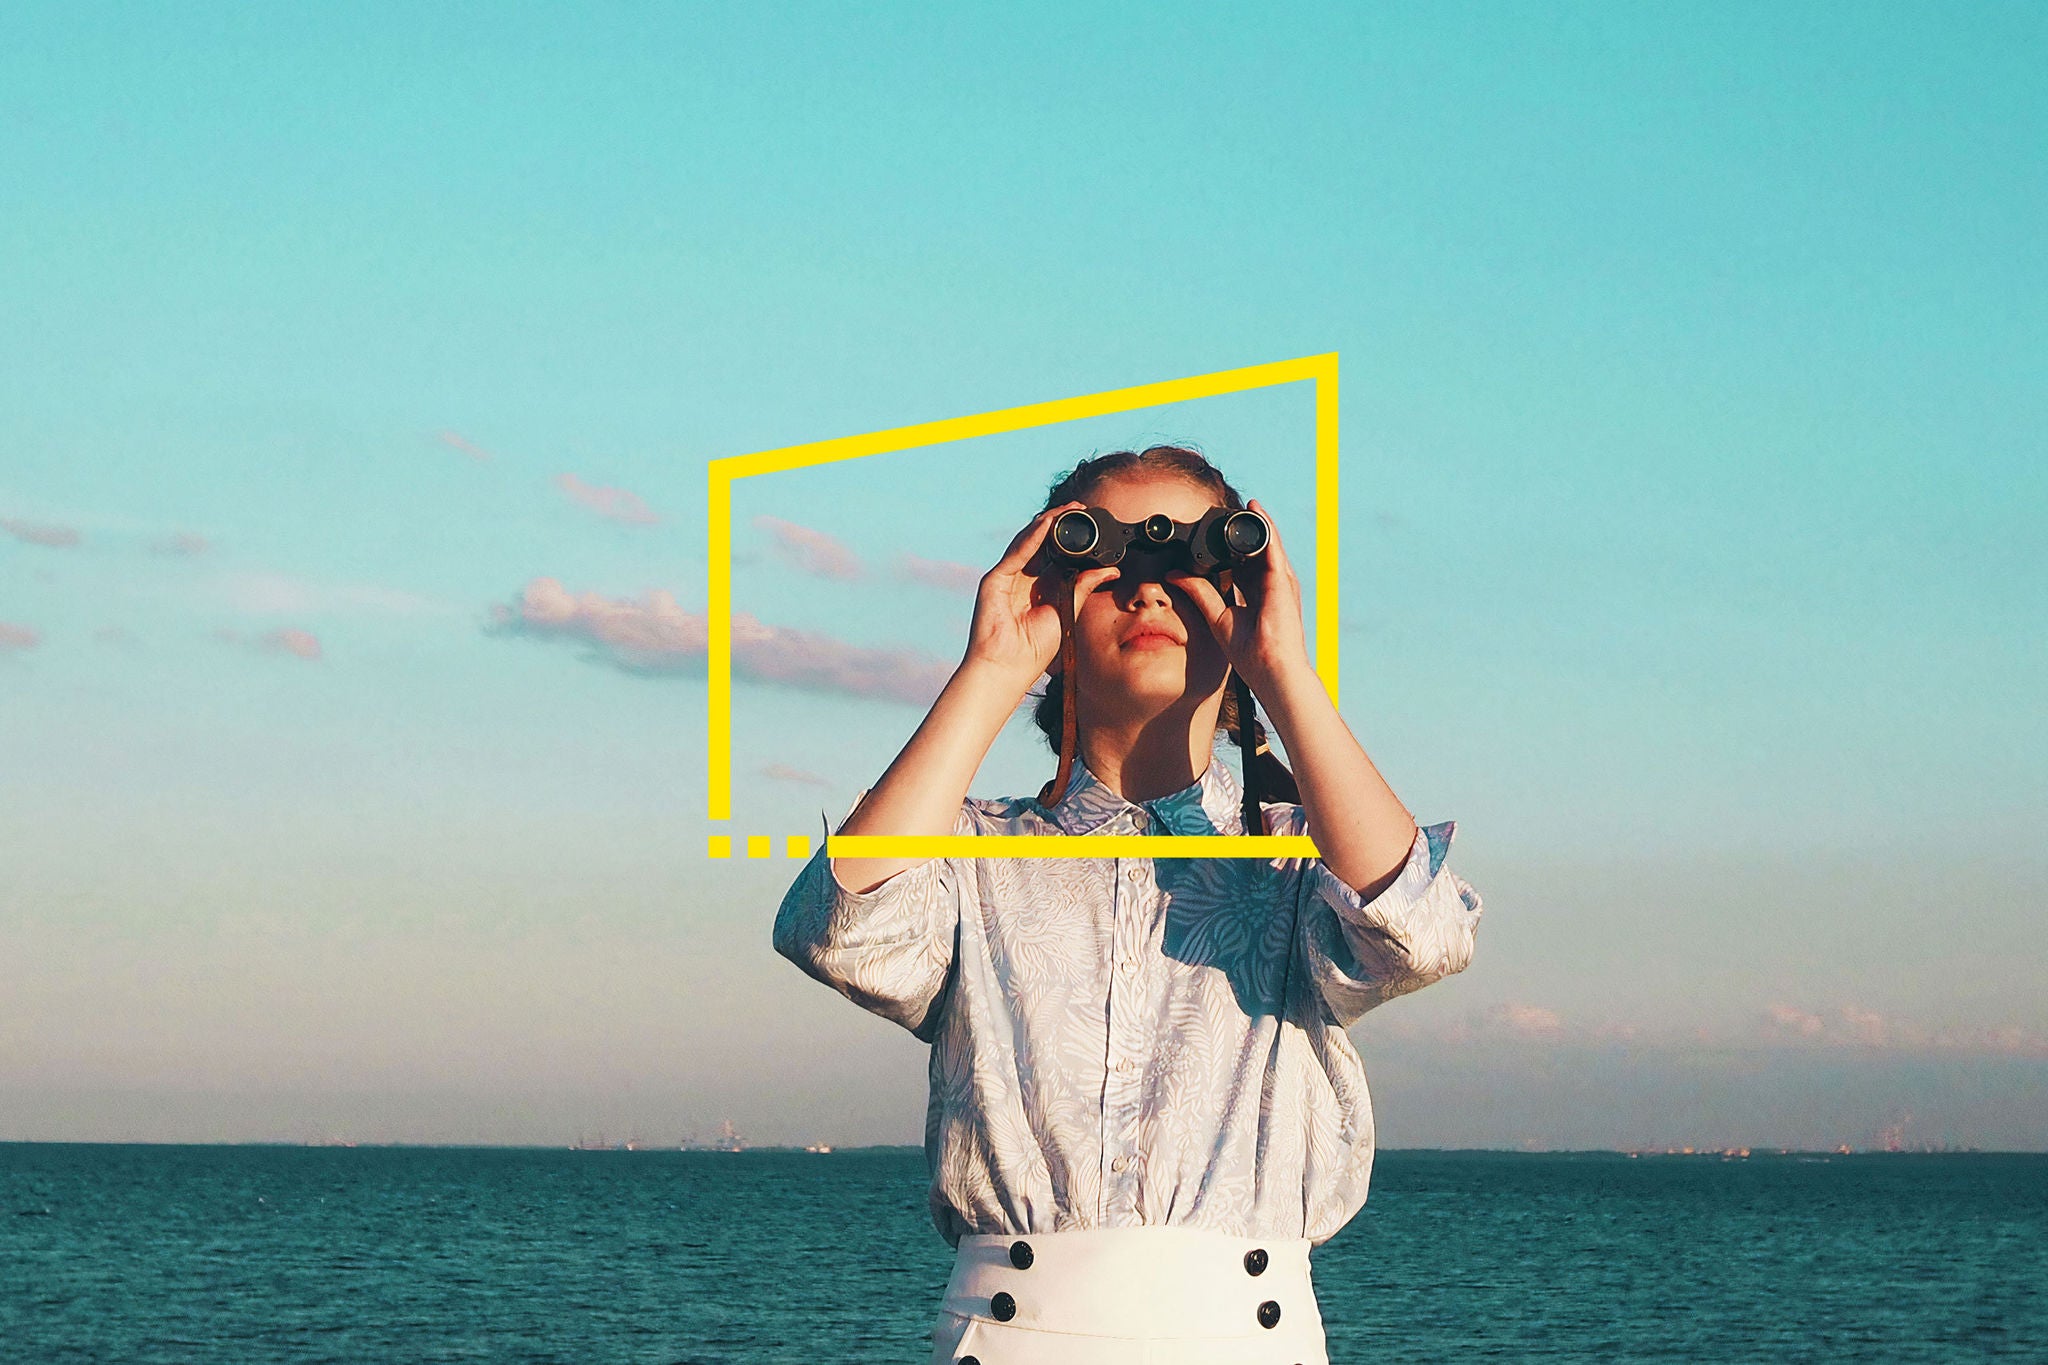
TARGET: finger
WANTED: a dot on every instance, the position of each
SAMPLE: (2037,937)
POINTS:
(1276,553)
(1248,581)
(1043,585)
(1203,594)
(1026,542)
(1083,584)
(1093,579)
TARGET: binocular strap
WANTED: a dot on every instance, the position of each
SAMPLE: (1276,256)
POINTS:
(1056,790)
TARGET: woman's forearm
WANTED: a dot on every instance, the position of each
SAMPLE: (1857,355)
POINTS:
(922,790)
(1361,828)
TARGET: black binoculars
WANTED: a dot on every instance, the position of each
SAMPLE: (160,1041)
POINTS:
(1224,538)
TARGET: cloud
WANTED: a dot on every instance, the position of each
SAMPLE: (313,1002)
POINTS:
(262,593)
(301,644)
(2013,1041)
(19,637)
(1855,1026)
(1789,1021)
(650,634)
(783,772)
(1842,1031)
(821,663)
(814,552)
(614,503)
(40,533)
(1530,1021)
(939,573)
(654,634)
(1852,1025)
(183,545)
(1864,1026)
(456,441)
(1504,1023)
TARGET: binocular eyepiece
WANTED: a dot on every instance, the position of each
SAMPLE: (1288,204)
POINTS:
(1224,538)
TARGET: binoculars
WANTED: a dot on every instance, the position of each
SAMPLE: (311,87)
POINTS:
(1224,538)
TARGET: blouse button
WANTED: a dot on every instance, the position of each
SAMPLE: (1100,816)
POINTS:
(1004,1307)
(1134,874)
(1119,1163)
(1020,1255)
(1269,1314)
(1255,1261)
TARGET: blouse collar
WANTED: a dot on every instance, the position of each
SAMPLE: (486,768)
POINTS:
(1208,805)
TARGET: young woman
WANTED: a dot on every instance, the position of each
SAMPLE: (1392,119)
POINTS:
(1144,1107)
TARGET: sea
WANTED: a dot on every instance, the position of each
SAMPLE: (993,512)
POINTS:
(232,1254)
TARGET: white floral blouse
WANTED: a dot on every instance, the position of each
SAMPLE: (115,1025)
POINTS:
(1118,1042)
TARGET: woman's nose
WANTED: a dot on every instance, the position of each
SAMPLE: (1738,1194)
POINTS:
(1144,592)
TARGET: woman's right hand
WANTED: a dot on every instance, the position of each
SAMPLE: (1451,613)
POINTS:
(1016,623)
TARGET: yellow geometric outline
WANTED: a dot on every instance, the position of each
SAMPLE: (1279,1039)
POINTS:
(1321,370)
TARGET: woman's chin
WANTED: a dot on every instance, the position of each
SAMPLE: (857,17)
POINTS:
(1143,698)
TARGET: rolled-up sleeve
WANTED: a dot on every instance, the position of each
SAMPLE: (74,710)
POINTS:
(888,949)
(1362,953)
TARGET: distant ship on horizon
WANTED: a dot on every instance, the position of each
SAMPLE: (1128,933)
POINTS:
(727,1139)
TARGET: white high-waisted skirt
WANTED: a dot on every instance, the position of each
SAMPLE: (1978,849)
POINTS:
(1132,1296)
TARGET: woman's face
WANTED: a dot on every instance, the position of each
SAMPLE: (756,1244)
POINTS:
(1140,646)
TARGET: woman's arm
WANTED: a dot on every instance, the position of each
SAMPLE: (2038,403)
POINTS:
(922,790)
(1361,829)
(1014,637)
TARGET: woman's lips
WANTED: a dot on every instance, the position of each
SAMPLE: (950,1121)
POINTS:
(1151,639)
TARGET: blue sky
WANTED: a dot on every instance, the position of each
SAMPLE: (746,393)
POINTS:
(1692,420)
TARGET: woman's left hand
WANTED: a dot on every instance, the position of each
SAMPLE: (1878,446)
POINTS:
(1262,637)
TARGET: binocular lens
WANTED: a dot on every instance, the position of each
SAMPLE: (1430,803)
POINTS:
(1075,532)
(1245,533)
(1159,528)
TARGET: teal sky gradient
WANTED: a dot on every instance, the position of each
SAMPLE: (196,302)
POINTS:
(1692,427)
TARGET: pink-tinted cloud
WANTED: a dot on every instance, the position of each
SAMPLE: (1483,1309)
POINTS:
(183,545)
(19,637)
(616,504)
(2013,1041)
(783,772)
(40,533)
(964,579)
(1854,1026)
(814,552)
(806,659)
(300,644)
(1792,1022)
(1530,1021)
(264,593)
(1863,1026)
(456,441)
(654,634)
